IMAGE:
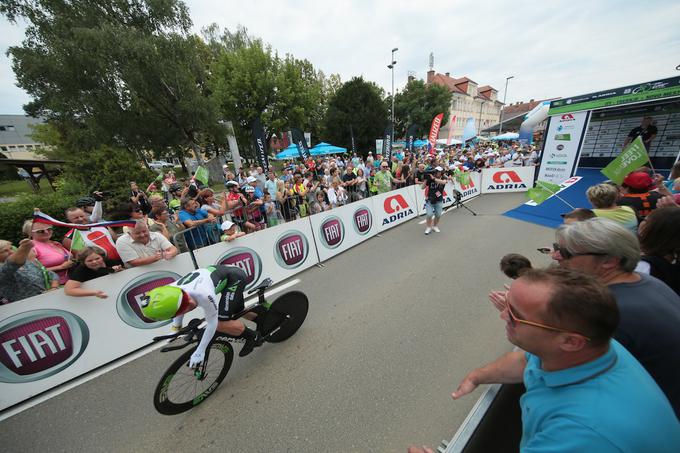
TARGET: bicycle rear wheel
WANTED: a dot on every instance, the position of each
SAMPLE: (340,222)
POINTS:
(179,389)
(285,316)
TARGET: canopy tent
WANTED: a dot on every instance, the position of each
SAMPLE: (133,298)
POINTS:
(326,148)
(506,136)
(442,141)
(289,153)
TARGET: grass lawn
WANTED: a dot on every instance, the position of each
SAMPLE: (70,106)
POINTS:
(13,188)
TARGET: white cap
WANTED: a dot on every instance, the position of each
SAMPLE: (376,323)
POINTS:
(250,179)
(250,189)
(232,183)
(226,225)
(452,167)
(438,168)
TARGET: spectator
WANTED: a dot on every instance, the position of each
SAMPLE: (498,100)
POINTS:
(288,202)
(253,211)
(638,193)
(260,176)
(584,391)
(650,310)
(271,212)
(660,246)
(577,215)
(270,183)
(513,264)
(383,178)
(139,198)
(21,274)
(164,222)
(134,212)
(319,204)
(92,206)
(349,182)
(104,238)
(362,184)
(91,264)
(230,231)
(140,246)
(603,198)
(206,198)
(192,216)
(672,183)
(51,254)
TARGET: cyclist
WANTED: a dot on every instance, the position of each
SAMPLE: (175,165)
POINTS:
(218,290)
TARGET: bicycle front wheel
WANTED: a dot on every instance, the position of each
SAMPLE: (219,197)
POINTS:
(180,390)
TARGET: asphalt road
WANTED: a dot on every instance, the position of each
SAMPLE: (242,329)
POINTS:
(394,325)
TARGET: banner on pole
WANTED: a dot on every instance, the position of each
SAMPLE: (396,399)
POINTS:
(434,129)
(387,141)
(260,144)
(300,143)
(631,158)
(410,137)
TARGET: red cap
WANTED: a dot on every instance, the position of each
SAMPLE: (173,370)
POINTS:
(639,180)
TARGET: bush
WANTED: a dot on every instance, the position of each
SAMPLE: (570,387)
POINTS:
(15,213)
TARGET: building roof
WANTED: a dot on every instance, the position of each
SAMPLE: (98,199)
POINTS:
(15,130)
(457,85)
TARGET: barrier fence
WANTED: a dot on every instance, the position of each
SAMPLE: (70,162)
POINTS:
(52,338)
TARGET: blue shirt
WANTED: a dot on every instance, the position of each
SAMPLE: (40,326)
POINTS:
(610,404)
(199,235)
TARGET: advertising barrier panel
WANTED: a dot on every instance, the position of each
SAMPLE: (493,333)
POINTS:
(395,207)
(342,228)
(52,338)
(514,179)
(277,253)
(562,146)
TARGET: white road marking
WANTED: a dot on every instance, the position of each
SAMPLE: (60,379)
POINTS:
(113,365)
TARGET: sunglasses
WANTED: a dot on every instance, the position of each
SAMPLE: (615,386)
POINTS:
(137,210)
(566,254)
(43,231)
(514,319)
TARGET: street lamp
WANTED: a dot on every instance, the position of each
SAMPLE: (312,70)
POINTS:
(505,95)
(391,66)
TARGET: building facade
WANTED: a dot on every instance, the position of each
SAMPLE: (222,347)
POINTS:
(15,140)
(469,100)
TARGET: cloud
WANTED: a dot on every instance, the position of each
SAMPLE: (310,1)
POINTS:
(552,49)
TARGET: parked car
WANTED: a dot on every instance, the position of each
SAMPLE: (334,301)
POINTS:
(160,165)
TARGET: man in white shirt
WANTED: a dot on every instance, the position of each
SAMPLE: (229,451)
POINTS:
(140,246)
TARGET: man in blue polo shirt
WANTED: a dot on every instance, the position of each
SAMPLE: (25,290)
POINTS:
(585,392)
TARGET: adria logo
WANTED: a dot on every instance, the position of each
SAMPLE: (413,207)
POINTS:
(503,177)
(465,187)
(363,220)
(129,300)
(394,204)
(567,117)
(291,249)
(332,232)
(246,259)
(40,343)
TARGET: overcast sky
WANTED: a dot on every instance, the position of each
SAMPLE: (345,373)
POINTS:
(551,48)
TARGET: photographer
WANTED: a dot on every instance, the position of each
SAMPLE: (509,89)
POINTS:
(434,198)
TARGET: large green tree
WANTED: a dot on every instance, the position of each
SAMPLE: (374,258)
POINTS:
(360,104)
(125,74)
(418,104)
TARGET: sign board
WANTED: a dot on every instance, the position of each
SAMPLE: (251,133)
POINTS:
(395,207)
(562,146)
(502,180)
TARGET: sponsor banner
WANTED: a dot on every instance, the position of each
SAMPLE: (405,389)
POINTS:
(278,252)
(260,141)
(342,228)
(564,185)
(395,207)
(649,91)
(562,146)
(52,338)
(513,179)
(472,189)
(434,130)
(300,142)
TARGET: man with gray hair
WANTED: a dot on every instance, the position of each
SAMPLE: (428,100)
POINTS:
(649,309)
(140,246)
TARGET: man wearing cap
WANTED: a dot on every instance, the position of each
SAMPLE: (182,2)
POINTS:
(639,196)
(434,199)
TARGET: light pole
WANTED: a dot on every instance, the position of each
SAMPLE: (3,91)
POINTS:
(391,66)
(505,95)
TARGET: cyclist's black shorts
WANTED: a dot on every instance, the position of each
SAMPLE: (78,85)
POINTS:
(230,282)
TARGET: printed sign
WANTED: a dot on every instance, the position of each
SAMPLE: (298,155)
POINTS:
(291,249)
(514,179)
(362,220)
(561,149)
(395,207)
(40,343)
(332,232)
(246,259)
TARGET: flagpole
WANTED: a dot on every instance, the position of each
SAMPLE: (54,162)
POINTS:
(538,183)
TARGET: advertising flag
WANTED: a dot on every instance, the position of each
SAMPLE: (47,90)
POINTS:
(260,144)
(631,158)
(300,143)
(434,130)
(202,175)
(410,136)
(351,134)
(77,241)
(542,191)
(387,142)
(448,139)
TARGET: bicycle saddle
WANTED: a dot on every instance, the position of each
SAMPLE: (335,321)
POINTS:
(264,284)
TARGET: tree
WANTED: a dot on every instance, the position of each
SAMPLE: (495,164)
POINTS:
(360,104)
(122,74)
(418,104)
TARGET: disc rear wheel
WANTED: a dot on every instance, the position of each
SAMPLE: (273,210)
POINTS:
(285,316)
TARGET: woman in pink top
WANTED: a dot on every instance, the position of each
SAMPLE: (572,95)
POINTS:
(51,254)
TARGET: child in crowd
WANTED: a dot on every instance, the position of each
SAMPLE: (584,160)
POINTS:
(270,210)
(230,231)
(513,264)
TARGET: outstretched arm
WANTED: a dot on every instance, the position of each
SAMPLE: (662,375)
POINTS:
(507,369)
